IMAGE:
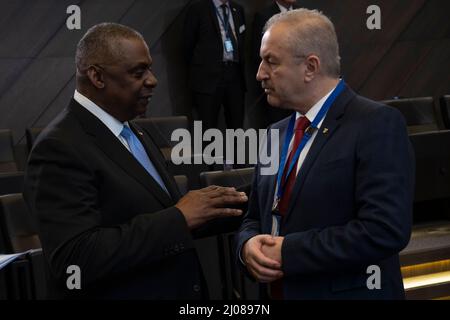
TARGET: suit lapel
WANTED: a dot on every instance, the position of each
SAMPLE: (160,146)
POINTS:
(214,19)
(116,151)
(236,21)
(332,123)
(271,180)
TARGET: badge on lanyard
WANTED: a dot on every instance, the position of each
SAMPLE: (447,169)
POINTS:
(276,222)
(276,218)
(280,188)
(275,206)
(228,45)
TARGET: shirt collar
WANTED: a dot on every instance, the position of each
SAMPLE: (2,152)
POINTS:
(108,120)
(283,8)
(312,113)
(218,3)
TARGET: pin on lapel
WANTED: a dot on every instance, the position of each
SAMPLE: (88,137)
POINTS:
(325,131)
(309,130)
(140,133)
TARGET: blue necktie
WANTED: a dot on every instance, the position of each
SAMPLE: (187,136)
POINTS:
(138,151)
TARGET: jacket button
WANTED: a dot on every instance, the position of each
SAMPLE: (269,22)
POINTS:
(196,288)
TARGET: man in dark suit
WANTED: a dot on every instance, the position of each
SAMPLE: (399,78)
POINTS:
(213,43)
(100,189)
(269,114)
(342,199)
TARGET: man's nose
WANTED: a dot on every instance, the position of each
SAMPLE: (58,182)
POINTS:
(261,74)
(151,80)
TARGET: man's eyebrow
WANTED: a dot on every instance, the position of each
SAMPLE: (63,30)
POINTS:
(139,66)
(268,55)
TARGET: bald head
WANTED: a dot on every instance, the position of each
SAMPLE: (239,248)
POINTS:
(310,32)
(100,45)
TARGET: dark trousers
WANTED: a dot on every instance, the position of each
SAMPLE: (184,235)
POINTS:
(229,94)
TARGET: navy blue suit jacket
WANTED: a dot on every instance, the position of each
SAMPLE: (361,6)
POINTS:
(351,206)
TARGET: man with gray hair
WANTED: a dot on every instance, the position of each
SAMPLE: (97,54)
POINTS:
(341,202)
(100,189)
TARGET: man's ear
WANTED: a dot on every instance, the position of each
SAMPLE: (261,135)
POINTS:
(95,76)
(312,64)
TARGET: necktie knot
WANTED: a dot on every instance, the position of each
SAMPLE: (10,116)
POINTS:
(224,11)
(301,124)
(138,151)
(126,132)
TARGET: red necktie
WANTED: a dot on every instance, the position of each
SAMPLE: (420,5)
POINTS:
(300,126)
(276,287)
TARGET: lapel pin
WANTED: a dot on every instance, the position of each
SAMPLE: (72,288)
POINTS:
(325,131)
(140,133)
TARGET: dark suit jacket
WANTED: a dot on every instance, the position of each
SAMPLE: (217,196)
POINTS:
(351,205)
(203,47)
(98,208)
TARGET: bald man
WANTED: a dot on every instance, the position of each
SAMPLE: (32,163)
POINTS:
(100,189)
(340,205)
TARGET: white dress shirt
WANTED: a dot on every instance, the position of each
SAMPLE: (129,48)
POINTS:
(116,127)
(108,120)
(311,114)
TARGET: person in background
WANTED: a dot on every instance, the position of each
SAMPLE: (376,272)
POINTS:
(214,46)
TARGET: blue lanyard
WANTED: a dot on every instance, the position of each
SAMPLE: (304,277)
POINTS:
(308,133)
(225,24)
